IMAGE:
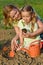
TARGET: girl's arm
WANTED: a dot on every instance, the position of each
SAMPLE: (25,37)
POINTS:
(21,37)
(19,34)
(21,40)
(16,30)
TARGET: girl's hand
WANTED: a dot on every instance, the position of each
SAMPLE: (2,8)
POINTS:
(19,47)
(16,45)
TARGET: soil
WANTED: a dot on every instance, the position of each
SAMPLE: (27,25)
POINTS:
(20,58)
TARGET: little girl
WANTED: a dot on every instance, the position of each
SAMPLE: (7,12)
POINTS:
(32,24)
(11,17)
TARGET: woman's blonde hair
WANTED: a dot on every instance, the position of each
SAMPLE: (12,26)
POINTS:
(34,16)
(6,10)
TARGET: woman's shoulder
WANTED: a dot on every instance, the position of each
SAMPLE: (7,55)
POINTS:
(39,19)
(40,23)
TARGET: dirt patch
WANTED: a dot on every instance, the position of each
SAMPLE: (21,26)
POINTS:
(20,58)
(7,34)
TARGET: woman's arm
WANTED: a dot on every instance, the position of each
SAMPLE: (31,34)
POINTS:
(39,30)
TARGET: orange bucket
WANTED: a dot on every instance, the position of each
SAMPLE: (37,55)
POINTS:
(34,50)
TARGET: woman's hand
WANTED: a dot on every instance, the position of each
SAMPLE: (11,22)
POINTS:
(28,34)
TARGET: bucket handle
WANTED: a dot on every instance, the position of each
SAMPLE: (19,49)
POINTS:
(33,42)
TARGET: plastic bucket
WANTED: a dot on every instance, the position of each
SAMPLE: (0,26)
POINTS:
(34,50)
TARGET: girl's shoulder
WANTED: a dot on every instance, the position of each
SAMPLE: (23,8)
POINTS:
(21,21)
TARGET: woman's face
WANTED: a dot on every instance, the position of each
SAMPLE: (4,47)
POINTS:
(15,15)
(26,16)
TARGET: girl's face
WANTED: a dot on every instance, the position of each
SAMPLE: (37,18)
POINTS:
(15,15)
(26,16)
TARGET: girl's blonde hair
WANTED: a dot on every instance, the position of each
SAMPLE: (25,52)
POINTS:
(32,13)
(6,10)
